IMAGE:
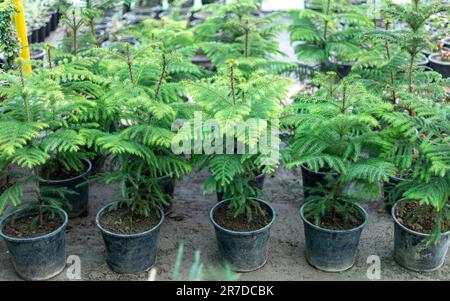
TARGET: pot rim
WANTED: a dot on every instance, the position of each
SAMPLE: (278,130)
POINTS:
(364,212)
(319,172)
(394,217)
(242,233)
(400,179)
(31,239)
(435,61)
(88,170)
(120,235)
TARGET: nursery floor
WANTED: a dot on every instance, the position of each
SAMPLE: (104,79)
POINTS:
(189,223)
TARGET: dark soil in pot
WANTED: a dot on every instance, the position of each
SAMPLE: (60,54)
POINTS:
(21,227)
(412,227)
(333,247)
(245,247)
(123,221)
(75,181)
(224,216)
(438,65)
(37,253)
(130,247)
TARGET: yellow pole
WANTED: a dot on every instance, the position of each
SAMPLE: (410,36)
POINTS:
(22,33)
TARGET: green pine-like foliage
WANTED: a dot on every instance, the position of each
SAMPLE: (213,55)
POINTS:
(228,100)
(337,131)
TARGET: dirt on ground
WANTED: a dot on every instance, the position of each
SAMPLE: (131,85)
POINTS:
(189,223)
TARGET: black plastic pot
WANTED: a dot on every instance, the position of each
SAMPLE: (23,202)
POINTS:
(245,251)
(37,258)
(312,179)
(54,21)
(411,251)
(439,66)
(258,183)
(168,185)
(47,28)
(204,62)
(37,54)
(389,186)
(41,34)
(35,36)
(331,250)
(79,201)
(130,253)
(342,68)
(446,42)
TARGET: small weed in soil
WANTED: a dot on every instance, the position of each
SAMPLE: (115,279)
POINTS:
(122,221)
(224,216)
(419,218)
(28,226)
(334,220)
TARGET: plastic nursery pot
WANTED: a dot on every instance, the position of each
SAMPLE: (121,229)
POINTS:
(41,34)
(47,28)
(442,67)
(446,42)
(54,20)
(168,185)
(258,183)
(342,68)
(311,179)
(78,201)
(130,253)
(245,251)
(331,250)
(203,61)
(37,54)
(411,251)
(35,36)
(37,258)
(387,186)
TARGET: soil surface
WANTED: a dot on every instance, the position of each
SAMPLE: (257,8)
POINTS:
(334,220)
(224,216)
(122,221)
(421,219)
(28,226)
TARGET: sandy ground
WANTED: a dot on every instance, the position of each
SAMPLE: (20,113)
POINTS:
(189,223)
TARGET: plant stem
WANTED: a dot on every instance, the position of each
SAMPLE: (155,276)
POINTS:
(246,38)
(344,97)
(129,62)
(325,27)
(162,75)
(26,105)
(391,72)
(39,195)
(49,57)
(74,34)
(410,72)
(232,84)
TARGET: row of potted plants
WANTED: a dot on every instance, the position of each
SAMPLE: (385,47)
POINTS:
(117,104)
